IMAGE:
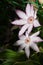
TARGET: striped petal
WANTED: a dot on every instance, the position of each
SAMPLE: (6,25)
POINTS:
(22,37)
(28,10)
(21,14)
(30,28)
(32,11)
(19,22)
(23,29)
(36,23)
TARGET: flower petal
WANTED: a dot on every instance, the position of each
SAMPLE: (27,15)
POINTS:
(35,14)
(35,34)
(23,29)
(26,34)
(37,39)
(32,11)
(22,37)
(27,51)
(22,47)
(19,22)
(36,23)
(35,47)
(19,42)
(28,10)
(30,28)
(21,14)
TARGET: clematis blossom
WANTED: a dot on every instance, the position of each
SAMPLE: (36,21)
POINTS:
(27,20)
(26,41)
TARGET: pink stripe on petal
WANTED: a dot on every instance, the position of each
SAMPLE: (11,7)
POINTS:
(23,29)
(36,23)
(19,22)
(28,10)
(21,14)
(22,37)
(30,28)
(32,11)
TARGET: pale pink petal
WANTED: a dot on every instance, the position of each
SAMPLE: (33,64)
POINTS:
(28,10)
(22,37)
(37,39)
(22,47)
(19,42)
(27,51)
(35,47)
(23,29)
(26,34)
(30,28)
(35,14)
(19,22)
(32,11)
(36,23)
(21,14)
(35,34)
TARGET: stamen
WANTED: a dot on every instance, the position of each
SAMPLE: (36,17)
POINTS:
(30,20)
(27,40)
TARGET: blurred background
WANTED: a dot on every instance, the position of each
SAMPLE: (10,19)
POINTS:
(9,54)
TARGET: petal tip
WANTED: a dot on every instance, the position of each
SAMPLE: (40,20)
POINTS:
(38,51)
(16,11)
(20,34)
(12,22)
(38,32)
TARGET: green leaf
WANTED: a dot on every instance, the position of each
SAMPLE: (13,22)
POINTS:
(24,63)
(10,54)
(16,56)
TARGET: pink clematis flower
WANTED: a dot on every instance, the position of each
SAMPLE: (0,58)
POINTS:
(28,19)
(26,41)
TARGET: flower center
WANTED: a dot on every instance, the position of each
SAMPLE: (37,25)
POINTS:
(27,41)
(30,20)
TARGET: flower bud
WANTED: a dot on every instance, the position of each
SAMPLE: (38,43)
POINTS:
(41,1)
